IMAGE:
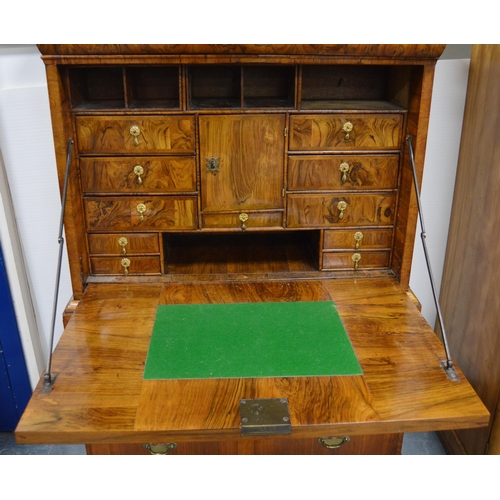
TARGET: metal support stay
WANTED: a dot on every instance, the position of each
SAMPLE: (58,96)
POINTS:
(50,377)
(446,364)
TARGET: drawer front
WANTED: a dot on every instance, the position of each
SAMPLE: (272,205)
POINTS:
(125,266)
(325,210)
(140,134)
(140,174)
(358,239)
(160,213)
(365,260)
(368,132)
(316,172)
(255,220)
(123,243)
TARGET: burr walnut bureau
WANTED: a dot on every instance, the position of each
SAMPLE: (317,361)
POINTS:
(222,174)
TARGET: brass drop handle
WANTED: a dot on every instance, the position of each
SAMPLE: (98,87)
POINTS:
(344,169)
(125,264)
(123,243)
(341,205)
(334,442)
(138,171)
(356,257)
(135,131)
(243,218)
(347,128)
(358,236)
(160,449)
(141,208)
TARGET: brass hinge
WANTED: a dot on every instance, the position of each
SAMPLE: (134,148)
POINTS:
(283,192)
(285,132)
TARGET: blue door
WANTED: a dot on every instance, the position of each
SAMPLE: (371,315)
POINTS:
(15,389)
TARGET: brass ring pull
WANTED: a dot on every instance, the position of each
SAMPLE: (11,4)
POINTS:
(347,128)
(138,170)
(125,264)
(123,243)
(135,131)
(341,205)
(344,168)
(243,218)
(358,236)
(333,443)
(160,449)
(141,208)
(356,257)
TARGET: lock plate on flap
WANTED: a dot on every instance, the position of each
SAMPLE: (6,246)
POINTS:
(265,417)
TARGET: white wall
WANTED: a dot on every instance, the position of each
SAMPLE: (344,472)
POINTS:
(27,147)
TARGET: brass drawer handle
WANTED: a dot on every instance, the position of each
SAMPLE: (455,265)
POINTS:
(125,264)
(138,171)
(341,205)
(344,168)
(334,442)
(141,208)
(160,449)
(358,236)
(243,218)
(356,258)
(123,242)
(135,131)
(347,128)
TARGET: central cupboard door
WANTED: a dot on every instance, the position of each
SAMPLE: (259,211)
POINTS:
(241,160)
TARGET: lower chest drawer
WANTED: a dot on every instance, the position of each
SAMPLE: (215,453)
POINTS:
(332,210)
(132,265)
(147,213)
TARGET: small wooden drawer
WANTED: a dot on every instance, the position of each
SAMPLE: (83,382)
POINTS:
(140,174)
(358,239)
(332,210)
(125,266)
(345,260)
(123,243)
(154,213)
(346,132)
(243,220)
(315,172)
(135,134)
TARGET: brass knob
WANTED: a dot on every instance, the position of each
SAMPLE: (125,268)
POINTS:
(344,168)
(122,241)
(243,218)
(356,257)
(347,128)
(138,171)
(358,236)
(135,131)
(125,264)
(333,442)
(341,205)
(141,208)
(160,449)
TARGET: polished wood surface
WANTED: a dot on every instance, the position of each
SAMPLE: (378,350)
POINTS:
(470,296)
(100,396)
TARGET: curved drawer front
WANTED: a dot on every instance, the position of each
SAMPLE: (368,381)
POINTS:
(138,174)
(315,172)
(368,132)
(325,210)
(159,213)
(139,134)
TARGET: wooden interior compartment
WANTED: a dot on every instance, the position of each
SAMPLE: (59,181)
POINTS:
(97,87)
(153,87)
(214,86)
(242,252)
(268,86)
(352,86)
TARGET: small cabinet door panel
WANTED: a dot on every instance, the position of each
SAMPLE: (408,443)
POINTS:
(247,155)
(138,174)
(325,210)
(315,172)
(333,133)
(135,134)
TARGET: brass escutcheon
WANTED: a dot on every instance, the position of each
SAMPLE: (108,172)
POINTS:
(347,128)
(212,165)
(243,218)
(135,131)
(138,170)
(122,241)
(358,236)
(341,205)
(125,264)
(141,208)
(344,168)
(334,442)
(160,448)
(356,257)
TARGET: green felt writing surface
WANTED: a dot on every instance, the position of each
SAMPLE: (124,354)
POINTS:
(264,339)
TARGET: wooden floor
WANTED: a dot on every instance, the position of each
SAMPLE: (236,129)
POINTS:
(100,395)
